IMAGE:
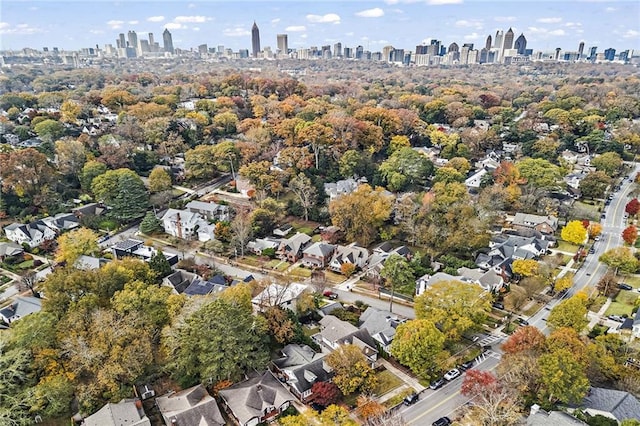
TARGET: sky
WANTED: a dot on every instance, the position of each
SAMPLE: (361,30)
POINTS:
(547,24)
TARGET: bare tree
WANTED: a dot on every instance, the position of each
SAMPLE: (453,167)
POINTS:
(388,418)
(28,282)
(305,191)
(241,228)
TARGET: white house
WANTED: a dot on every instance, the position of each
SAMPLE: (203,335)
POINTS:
(211,211)
(34,234)
(284,296)
(352,253)
(20,308)
(187,225)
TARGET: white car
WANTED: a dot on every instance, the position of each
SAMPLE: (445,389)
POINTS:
(452,374)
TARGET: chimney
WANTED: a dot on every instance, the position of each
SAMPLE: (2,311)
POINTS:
(534,409)
(178,226)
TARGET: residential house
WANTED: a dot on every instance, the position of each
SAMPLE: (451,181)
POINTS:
(352,254)
(32,234)
(635,328)
(88,263)
(542,224)
(180,280)
(257,400)
(504,249)
(20,308)
(318,255)
(260,244)
(136,248)
(427,280)
(331,234)
(283,230)
(300,367)
(127,412)
(381,325)
(209,210)
(573,179)
(473,182)
(200,287)
(62,222)
(187,225)
(489,280)
(539,417)
(291,249)
(611,403)
(192,406)
(375,263)
(284,296)
(570,157)
(335,332)
(92,209)
(10,250)
(341,187)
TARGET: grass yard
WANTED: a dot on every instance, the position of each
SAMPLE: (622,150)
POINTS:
(278,265)
(387,381)
(300,272)
(4,279)
(250,260)
(531,310)
(397,399)
(27,264)
(597,303)
(310,331)
(632,280)
(568,247)
(333,277)
(623,304)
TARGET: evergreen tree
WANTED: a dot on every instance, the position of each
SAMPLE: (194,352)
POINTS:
(150,224)
(160,265)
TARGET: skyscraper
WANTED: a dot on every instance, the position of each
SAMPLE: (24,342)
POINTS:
(580,49)
(120,43)
(497,42)
(255,40)
(151,43)
(521,45)
(283,43)
(337,50)
(488,43)
(592,53)
(168,41)
(508,40)
(132,38)
(610,54)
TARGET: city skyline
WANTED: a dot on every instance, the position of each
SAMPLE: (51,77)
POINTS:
(399,23)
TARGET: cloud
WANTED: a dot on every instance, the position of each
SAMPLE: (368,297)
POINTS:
(573,24)
(191,19)
(329,18)
(114,24)
(20,29)
(173,26)
(349,34)
(196,28)
(505,19)
(549,20)
(631,34)
(303,36)
(610,9)
(545,32)
(155,18)
(441,2)
(376,12)
(470,23)
(236,32)
(275,21)
(192,6)
(296,28)
(558,32)
(4,25)
(133,22)
(473,36)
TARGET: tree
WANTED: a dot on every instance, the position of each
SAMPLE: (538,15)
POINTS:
(539,173)
(574,232)
(569,313)
(34,178)
(156,305)
(325,393)
(607,285)
(398,275)
(609,162)
(632,207)
(563,283)
(477,382)
(594,229)
(28,282)
(124,192)
(525,267)
(317,135)
(348,213)
(405,167)
(492,403)
(75,243)
(200,162)
(418,344)
(281,326)
(621,259)
(525,339)
(159,265)
(302,187)
(159,180)
(90,171)
(347,269)
(594,184)
(563,377)
(221,340)
(630,235)
(368,408)
(352,370)
(70,156)
(241,229)
(151,224)
(49,130)
(453,306)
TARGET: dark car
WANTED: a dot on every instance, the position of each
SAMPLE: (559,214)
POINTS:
(522,321)
(498,305)
(411,399)
(466,365)
(617,318)
(624,286)
(330,294)
(592,250)
(437,384)
(442,421)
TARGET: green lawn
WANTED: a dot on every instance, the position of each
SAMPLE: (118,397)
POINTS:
(387,381)
(397,399)
(27,264)
(4,279)
(597,303)
(623,304)
(300,272)
(333,277)
(535,307)
(568,247)
(310,331)
(633,280)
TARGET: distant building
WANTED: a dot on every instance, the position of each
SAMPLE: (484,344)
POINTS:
(167,41)
(255,40)
(283,43)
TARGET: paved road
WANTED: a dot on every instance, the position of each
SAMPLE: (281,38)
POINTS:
(381,304)
(592,269)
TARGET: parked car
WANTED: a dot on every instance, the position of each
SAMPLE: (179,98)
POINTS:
(498,305)
(466,365)
(442,421)
(522,321)
(330,294)
(592,250)
(437,384)
(452,374)
(411,399)
(617,318)
(624,286)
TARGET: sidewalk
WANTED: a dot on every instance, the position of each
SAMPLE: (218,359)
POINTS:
(411,381)
(595,318)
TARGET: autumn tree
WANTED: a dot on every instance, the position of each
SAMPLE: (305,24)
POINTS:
(305,191)
(594,229)
(418,344)
(609,162)
(525,339)
(539,173)
(280,325)
(525,267)
(620,259)
(405,167)
(124,192)
(574,232)
(563,377)
(563,283)
(70,156)
(159,180)
(569,313)
(594,184)
(241,230)
(34,177)
(90,171)
(75,243)
(368,408)
(49,130)
(492,403)
(630,235)
(453,306)
(347,213)
(632,207)
(325,393)
(608,284)
(352,370)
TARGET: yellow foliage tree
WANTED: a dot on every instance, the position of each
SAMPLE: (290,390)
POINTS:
(564,283)
(76,243)
(525,267)
(574,232)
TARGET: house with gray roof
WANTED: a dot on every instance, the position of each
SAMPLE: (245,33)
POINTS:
(290,249)
(635,327)
(10,250)
(341,187)
(260,244)
(299,367)
(543,224)
(539,417)
(352,254)
(127,412)
(318,255)
(381,325)
(335,332)
(611,403)
(62,222)
(32,234)
(209,210)
(180,280)
(88,263)
(193,406)
(20,308)
(284,296)
(257,400)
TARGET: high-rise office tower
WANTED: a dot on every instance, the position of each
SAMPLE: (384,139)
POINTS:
(421,49)
(283,43)
(580,49)
(497,42)
(508,40)
(387,53)
(151,43)
(120,43)
(337,50)
(132,38)
(488,43)
(610,54)
(453,47)
(255,40)
(520,45)
(167,41)
(592,53)
(558,49)
(359,52)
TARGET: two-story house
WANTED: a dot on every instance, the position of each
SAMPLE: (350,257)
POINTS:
(352,254)
(300,367)
(318,255)
(335,332)
(33,234)
(290,249)
(209,210)
(284,296)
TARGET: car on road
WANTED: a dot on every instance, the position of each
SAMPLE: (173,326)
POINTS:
(592,250)
(617,318)
(603,216)
(597,238)
(330,294)
(465,365)
(437,384)
(498,305)
(411,399)
(522,321)
(624,286)
(452,374)
(442,421)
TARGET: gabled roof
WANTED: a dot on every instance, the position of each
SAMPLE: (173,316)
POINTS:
(555,418)
(622,405)
(320,249)
(276,294)
(334,329)
(21,307)
(295,355)
(200,287)
(124,413)
(531,220)
(206,206)
(10,249)
(193,406)
(294,243)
